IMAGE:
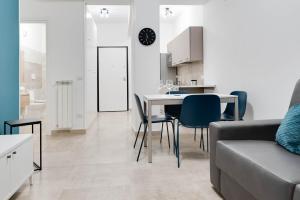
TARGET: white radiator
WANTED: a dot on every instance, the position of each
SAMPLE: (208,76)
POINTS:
(64,104)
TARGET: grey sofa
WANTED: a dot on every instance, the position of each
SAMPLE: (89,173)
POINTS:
(247,164)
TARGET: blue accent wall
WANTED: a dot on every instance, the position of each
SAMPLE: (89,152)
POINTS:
(9,61)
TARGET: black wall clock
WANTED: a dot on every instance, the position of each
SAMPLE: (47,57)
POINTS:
(147,36)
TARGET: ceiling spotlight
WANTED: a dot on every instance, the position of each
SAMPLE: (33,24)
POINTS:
(168,12)
(104,13)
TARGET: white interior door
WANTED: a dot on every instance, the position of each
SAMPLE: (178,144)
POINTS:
(112,79)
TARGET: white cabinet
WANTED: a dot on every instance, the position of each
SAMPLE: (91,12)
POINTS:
(22,164)
(16,163)
(4,177)
(187,47)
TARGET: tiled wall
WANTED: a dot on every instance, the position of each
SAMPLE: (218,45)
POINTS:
(191,71)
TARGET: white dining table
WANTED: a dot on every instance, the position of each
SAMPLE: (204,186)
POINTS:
(177,99)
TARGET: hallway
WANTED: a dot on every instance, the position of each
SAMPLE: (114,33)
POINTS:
(101,164)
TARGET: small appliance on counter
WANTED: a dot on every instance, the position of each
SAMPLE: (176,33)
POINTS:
(193,82)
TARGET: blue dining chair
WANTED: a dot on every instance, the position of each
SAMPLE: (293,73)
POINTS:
(198,111)
(144,120)
(228,114)
(173,111)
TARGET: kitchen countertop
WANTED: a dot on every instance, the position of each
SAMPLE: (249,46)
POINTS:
(10,142)
(197,86)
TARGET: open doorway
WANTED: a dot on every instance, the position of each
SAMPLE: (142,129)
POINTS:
(33,70)
(180,26)
(111,24)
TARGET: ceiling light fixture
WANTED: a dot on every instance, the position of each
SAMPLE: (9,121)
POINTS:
(104,13)
(168,12)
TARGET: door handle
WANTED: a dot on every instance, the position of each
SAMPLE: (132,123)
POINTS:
(14,153)
(8,157)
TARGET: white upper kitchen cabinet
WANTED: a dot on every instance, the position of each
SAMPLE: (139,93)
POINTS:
(187,47)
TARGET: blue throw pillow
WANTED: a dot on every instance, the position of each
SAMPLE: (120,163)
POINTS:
(288,134)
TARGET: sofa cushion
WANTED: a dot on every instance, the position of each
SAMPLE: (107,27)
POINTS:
(288,134)
(263,168)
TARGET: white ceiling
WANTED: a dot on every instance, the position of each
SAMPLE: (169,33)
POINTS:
(117,13)
(162,2)
(176,9)
(121,13)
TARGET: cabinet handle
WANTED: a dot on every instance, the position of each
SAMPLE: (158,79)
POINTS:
(14,152)
(9,156)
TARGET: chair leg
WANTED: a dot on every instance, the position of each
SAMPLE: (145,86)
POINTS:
(145,131)
(202,140)
(174,140)
(177,147)
(168,134)
(161,132)
(137,135)
(207,139)
(195,134)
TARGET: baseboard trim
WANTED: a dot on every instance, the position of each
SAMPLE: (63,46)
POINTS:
(92,122)
(73,131)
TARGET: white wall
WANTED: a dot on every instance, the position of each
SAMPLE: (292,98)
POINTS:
(169,29)
(65,50)
(113,34)
(33,36)
(166,35)
(91,43)
(254,46)
(145,59)
(116,34)
(33,42)
(191,16)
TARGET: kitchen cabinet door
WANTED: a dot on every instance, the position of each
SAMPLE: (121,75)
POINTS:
(21,164)
(5,181)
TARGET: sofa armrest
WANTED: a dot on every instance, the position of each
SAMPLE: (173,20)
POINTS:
(297,192)
(244,130)
(238,130)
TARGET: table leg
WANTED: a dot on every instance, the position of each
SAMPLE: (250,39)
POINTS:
(32,128)
(11,130)
(30,181)
(4,128)
(236,109)
(145,140)
(145,111)
(149,135)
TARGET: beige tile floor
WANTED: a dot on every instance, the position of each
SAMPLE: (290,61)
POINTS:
(101,165)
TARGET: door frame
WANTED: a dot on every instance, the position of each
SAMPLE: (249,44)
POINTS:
(46,23)
(98,78)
